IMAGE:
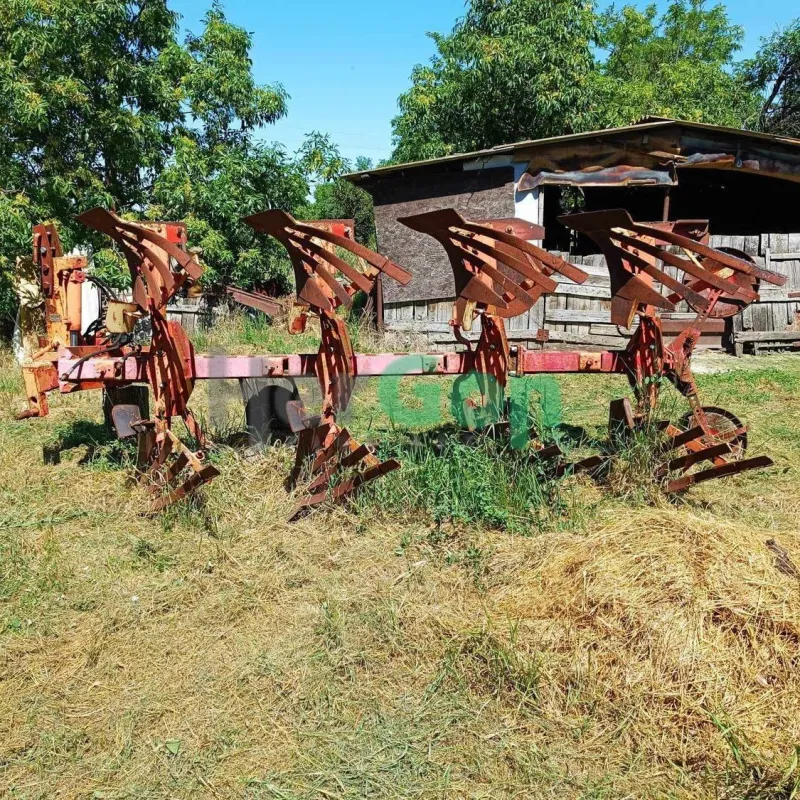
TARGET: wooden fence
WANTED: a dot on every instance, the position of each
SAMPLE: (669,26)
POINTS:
(580,314)
(192,313)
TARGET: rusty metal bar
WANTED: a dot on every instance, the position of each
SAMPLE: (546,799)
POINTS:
(731,468)
(133,368)
(268,305)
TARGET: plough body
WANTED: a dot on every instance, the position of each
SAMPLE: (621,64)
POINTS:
(498,274)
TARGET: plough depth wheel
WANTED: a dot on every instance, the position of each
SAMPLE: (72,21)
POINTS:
(721,427)
(725,305)
(715,441)
(708,443)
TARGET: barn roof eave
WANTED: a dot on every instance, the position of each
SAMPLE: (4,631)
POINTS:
(647,123)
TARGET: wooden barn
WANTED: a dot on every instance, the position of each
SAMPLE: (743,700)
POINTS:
(747,185)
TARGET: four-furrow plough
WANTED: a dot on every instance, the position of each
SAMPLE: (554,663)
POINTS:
(498,273)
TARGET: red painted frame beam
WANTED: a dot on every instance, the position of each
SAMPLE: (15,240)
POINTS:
(133,368)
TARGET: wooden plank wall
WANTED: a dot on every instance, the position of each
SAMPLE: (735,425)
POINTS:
(581,315)
(193,313)
(779,252)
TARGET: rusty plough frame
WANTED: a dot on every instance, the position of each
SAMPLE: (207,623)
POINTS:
(323,446)
(499,273)
(60,280)
(159,265)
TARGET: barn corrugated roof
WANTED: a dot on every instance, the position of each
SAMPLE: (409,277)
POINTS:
(646,123)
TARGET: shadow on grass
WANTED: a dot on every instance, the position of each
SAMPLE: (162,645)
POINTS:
(572,437)
(103,448)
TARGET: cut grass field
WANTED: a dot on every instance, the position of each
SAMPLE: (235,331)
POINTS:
(591,646)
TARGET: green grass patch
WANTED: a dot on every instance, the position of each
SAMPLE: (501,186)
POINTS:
(481,480)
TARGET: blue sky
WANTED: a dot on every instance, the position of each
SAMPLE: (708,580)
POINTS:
(344,63)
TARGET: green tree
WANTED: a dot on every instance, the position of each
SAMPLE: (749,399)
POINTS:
(518,69)
(509,70)
(679,64)
(775,73)
(334,197)
(219,172)
(340,199)
(211,187)
(320,159)
(219,86)
(100,104)
(88,103)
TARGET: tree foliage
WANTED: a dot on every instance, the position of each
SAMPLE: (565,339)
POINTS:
(211,187)
(320,159)
(333,196)
(674,65)
(88,103)
(218,84)
(101,104)
(775,73)
(88,99)
(509,70)
(340,199)
(520,69)
(219,172)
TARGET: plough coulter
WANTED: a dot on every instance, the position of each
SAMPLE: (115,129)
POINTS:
(498,274)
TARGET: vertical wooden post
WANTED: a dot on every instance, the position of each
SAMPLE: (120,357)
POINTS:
(665,214)
(379,303)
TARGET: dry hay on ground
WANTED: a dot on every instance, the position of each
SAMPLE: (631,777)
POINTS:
(221,652)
